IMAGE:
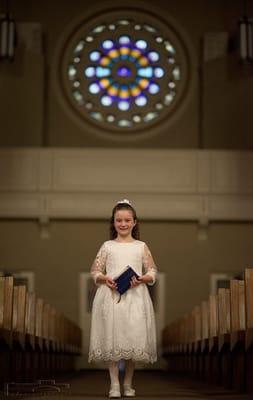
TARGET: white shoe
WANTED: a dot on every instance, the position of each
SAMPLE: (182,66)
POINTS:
(114,392)
(128,391)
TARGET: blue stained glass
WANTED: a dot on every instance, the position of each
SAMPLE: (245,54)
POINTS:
(141,44)
(123,105)
(159,106)
(72,72)
(124,123)
(176,73)
(158,72)
(99,29)
(107,44)
(150,28)
(124,40)
(123,22)
(168,99)
(106,100)
(97,115)
(78,96)
(124,57)
(146,72)
(149,116)
(159,39)
(95,55)
(76,84)
(137,118)
(79,47)
(153,88)
(94,88)
(153,56)
(124,71)
(141,101)
(110,118)
(169,47)
(102,72)
(90,72)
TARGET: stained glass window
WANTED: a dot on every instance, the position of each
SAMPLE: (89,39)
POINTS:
(126,74)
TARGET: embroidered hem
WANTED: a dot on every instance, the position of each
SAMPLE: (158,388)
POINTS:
(116,355)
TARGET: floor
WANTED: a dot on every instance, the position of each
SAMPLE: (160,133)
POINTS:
(150,385)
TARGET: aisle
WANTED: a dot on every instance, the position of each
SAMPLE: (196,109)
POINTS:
(152,385)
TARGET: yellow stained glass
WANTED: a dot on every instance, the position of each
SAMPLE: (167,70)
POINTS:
(135,91)
(143,61)
(135,53)
(143,83)
(112,91)
(124,51)
(113,53)
(104,83)
(105,61)
(124,93)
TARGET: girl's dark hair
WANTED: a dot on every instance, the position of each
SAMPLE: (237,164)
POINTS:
(124,206)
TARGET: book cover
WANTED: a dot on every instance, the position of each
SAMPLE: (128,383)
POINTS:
(124,280)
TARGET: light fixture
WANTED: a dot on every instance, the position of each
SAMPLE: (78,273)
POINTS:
(246,37)
(7,36)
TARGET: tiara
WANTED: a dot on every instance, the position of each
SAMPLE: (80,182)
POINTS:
(125,201)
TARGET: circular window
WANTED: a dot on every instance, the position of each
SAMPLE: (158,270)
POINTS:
(126,74)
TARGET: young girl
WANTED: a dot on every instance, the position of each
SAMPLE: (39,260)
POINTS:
(126,329)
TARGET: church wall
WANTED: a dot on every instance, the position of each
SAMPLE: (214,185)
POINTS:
(177,251)
(217,114)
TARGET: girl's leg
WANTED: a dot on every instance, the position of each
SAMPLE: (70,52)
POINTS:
(129,372)
(114,372)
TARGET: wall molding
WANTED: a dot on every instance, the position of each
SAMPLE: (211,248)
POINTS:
(198,185)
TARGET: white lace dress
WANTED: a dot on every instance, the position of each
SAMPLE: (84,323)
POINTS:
(126,329)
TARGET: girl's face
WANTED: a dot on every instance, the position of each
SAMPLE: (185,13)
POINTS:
(124,222)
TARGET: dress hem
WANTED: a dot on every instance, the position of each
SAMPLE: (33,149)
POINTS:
(126,355)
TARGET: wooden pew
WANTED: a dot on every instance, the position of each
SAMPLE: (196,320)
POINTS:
(224,318)
(30,371)
(213,359)
(6,301)
(18,339)
(196,340)
(53,340)
(36,341)
(237,335)
(45,355)
(249,328)
(204,342)
(215,340)
(38,355)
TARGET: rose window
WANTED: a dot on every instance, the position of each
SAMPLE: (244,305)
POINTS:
(127,74)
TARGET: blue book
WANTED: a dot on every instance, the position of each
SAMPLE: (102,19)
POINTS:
(124,280)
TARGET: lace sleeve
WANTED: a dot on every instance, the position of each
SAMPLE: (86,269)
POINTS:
(98,266)
(149,264)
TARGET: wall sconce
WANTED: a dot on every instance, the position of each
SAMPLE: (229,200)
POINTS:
(246,37)
(8,36)
(246,40)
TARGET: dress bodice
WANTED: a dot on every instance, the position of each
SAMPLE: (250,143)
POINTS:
(113,257)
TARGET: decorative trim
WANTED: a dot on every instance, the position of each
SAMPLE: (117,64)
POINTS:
(71,183)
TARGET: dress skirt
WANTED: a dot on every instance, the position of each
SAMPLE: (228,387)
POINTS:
(124,330)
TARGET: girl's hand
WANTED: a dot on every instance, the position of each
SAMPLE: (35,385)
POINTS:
(136,282)
(110,283)
(142,279)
